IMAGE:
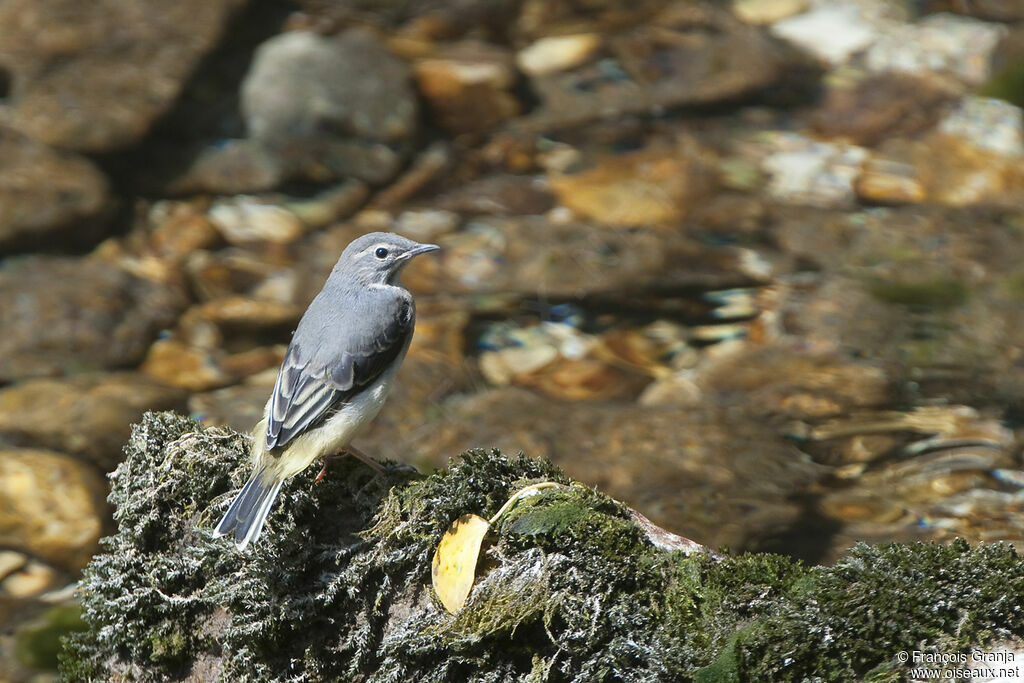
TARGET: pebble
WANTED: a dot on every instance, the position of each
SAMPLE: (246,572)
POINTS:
(832,33)
(96,412)
(468,86)
(820,174)
(52,506)
(244,220)
(767,11)
(557,53)
(48,196)
(989,124)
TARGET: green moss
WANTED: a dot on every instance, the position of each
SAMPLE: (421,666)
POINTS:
(38,644)
(569,588)
(1006,84)
(936,293)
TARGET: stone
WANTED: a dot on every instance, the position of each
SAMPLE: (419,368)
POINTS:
(883,181)
(181,229)
(330,106)
(529,254)
(230,167)
(28,581)
(95,411)
(687,55)
(152,606)
(938,43)
(871,108)
(557,53)
(244,220)
(51,506)
(955,172)
(651,186)
(235,271)
(504,194)
(767,11)
(804,171)
(48,197)
(193,368)
(329,205)
(239,406)
(986,123)
(68,315)
(831,32)
(684,469)
(95,77)
(468,86)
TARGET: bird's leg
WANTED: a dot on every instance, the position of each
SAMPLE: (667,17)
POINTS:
(323,470)
(348,450)
(367,460)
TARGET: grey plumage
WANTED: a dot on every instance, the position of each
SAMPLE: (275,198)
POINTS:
(336,373)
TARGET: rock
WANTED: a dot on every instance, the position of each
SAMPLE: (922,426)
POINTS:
(230,167)
(48,197)
(989,124)
(499,195)
(246,313)
(95,412)
(181,229)
(687,55)
(527,255)
(243,220)
(814,173)
(193,368)
(884,181)
(557,53)
(830,32)
(51,507)
(239,407)
(426,225)
(993,10)
(152,603)
(957,173)
(938,43)
(330,107)
(330,205)
(247,272)
(28,580)
(468,86)
(95,77)
(880,106)
(767,11)
(69,315)
(652,186)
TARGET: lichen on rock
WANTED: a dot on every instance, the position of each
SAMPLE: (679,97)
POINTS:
(569,588)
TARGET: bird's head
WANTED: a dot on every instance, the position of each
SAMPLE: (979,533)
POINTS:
(378,257)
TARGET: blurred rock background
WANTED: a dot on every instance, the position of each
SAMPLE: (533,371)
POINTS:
(753,267)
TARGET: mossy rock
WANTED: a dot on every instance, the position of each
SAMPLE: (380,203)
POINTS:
(571,589)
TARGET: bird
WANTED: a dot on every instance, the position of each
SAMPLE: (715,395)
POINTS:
(335,376)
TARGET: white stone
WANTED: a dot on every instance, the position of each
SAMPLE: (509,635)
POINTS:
(804,171)
(987,123)
(830,32)
(243,220)
(764,12)
(557,53)
(938,43)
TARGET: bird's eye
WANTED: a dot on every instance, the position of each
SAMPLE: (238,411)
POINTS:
(381,253)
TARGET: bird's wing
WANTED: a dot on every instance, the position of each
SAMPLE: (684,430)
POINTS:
(311,385)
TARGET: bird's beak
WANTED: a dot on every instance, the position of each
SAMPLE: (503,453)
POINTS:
(420,249)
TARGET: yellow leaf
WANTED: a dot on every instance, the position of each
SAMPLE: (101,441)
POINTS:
(454,565)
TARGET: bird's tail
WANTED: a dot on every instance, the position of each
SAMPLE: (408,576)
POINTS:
(248,511)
